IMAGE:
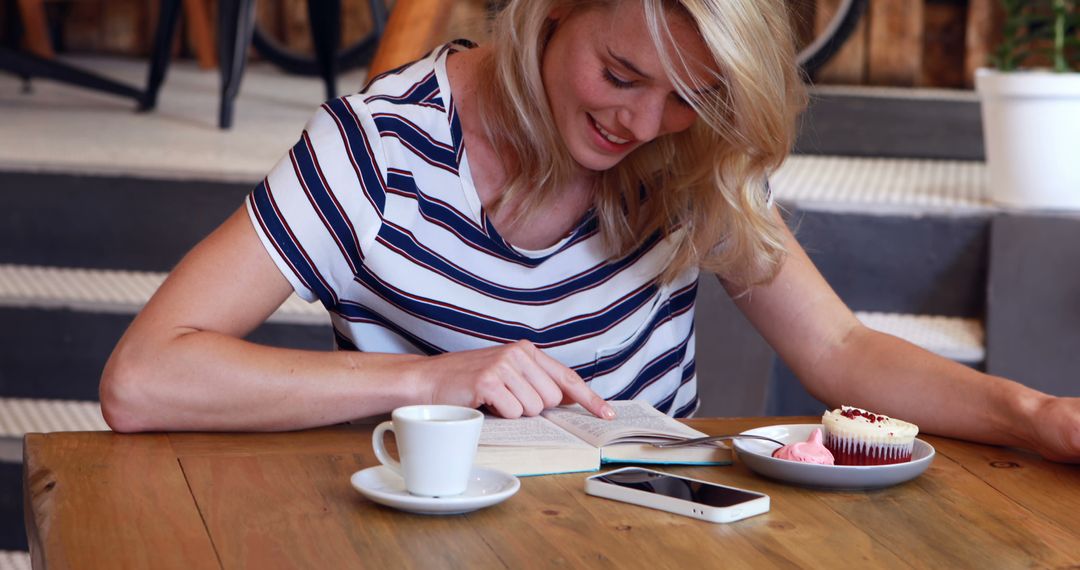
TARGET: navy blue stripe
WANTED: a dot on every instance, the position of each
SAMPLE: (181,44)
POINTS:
(487,240)
(455,131)
(688,409)
(343,342)
(431,151)
(678,303)
(436,211)
(434,100)
(360,151)
(274,226)
(406,245)
(424,92)
(324,201)
(654,371)
(665,404)
(477,325)
(586,227)
(355,312)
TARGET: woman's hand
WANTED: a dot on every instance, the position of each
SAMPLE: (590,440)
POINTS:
(1056,425)
(512,380)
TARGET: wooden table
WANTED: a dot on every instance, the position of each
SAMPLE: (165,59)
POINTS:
(101,500)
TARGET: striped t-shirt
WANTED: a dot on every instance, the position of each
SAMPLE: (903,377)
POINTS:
(374,213)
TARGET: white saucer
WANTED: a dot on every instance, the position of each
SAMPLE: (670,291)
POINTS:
(486,487)
(757,455)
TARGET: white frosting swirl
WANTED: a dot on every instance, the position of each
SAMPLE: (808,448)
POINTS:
(867,426)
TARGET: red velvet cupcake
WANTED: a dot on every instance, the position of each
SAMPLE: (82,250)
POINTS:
(858,437)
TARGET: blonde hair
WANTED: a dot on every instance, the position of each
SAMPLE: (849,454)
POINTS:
(705,187)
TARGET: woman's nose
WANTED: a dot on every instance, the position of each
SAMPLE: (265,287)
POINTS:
(644,117)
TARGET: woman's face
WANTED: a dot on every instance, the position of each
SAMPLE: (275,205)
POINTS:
(605,84)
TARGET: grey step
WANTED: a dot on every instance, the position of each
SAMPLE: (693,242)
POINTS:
(108,222)
(1033,324)
(884,185)
(892,122)
(14,560)
(61,324)
(56,353)
(111,291)
(12,529)
(922,265)
(959,339)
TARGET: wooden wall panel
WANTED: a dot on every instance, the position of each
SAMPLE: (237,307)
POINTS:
(295,32)
(36,34)
(896,41)
(415,26)
(355,20)
(984,18)
(198,23)
(122,29)
(848,66)
(82,27)
(943,45)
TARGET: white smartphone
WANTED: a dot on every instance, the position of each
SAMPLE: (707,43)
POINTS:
(680,495)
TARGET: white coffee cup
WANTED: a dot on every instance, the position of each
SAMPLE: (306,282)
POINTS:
(437,446)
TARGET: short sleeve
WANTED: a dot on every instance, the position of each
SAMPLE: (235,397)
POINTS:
(321,206)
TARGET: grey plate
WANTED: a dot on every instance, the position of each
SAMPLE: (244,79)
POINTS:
(757,455)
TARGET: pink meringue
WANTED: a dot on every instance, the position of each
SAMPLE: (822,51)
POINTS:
(809,451)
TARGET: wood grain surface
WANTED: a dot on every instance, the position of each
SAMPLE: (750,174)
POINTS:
(849,64)
(101,500)
(983,31)
(895,55)
(283,500)
(414,28)
(36,28)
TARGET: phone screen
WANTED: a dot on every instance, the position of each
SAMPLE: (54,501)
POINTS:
(679,488)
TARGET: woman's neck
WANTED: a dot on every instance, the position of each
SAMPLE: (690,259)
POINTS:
(555,219)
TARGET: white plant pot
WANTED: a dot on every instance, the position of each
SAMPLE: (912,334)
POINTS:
(1031,127)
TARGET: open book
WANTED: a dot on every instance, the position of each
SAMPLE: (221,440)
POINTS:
(570,439)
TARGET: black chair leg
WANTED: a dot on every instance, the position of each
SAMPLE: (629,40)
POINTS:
(162,53)
(325,16)
(236,23)
(27,65)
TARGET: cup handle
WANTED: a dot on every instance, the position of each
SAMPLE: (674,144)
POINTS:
(380,448)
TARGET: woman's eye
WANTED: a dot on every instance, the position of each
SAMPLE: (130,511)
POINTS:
(614,80)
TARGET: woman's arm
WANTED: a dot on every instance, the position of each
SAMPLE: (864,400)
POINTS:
(182,364)
(841,361)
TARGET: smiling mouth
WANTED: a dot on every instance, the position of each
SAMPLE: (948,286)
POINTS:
(607,135)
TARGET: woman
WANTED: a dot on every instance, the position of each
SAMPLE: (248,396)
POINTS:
(522,224)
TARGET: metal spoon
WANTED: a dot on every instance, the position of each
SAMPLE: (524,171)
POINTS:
(712,438)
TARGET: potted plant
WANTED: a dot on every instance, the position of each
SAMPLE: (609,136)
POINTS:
(1031,106)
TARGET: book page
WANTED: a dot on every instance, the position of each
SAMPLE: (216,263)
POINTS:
(632,419)
(530,432)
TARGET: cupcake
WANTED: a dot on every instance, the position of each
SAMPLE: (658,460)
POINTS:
(858,437)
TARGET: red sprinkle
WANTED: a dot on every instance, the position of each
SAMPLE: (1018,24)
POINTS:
(852,413)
